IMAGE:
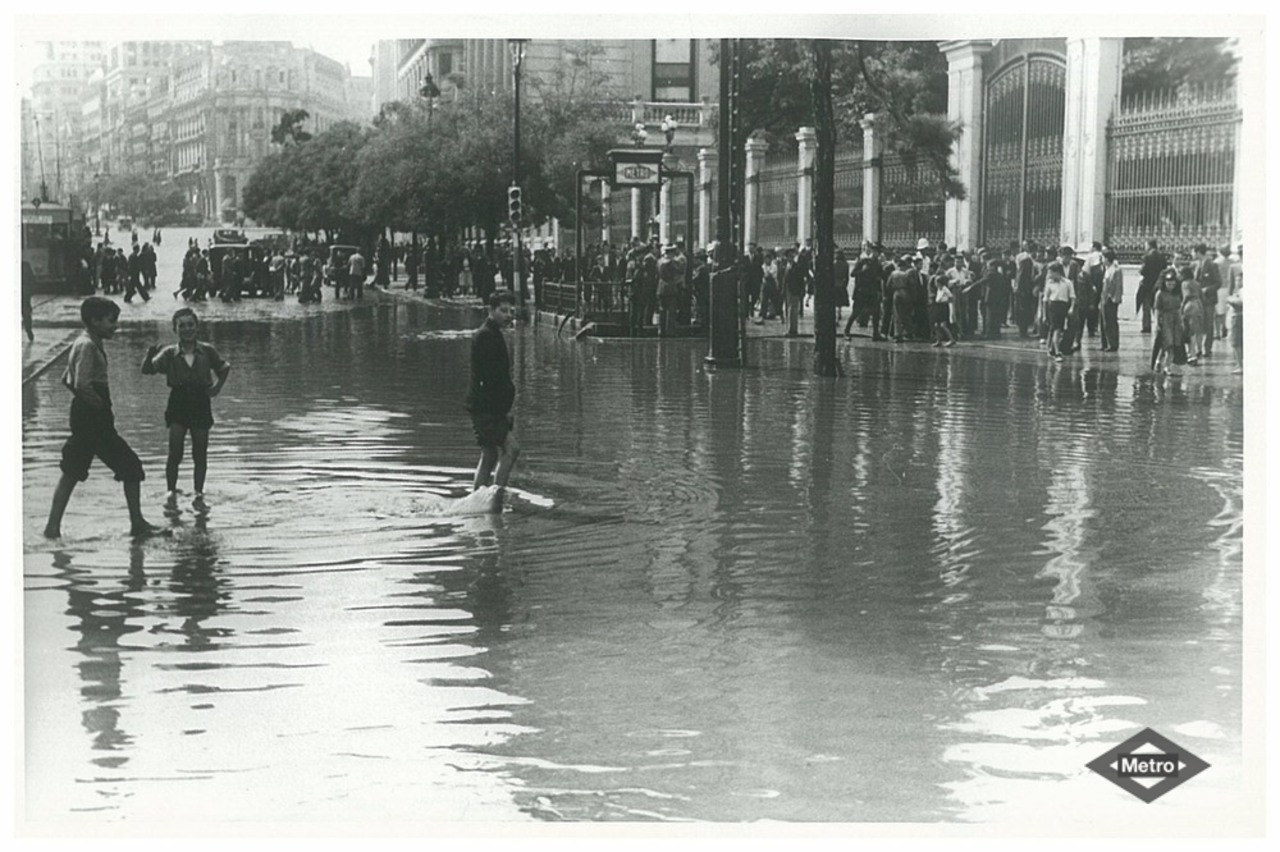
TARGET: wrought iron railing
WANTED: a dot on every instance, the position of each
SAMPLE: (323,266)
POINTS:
(849,178)
(1171,170)
(777,220)
(912,203)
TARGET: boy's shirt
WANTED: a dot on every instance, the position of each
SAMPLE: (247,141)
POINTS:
(86,373)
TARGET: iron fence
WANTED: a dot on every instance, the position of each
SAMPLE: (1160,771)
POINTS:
(912,203)
(850,175)
(1171,170)
(777,216)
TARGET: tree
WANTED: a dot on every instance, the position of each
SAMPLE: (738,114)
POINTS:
(143,196)
(1176,64)
(904,82)
(824,309)
(289,130)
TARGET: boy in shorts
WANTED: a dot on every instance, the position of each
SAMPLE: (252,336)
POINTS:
(491,394)
(93,429)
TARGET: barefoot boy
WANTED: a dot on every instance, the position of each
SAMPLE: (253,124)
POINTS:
(93,429)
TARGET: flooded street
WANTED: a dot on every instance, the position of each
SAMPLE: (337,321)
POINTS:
(928,592)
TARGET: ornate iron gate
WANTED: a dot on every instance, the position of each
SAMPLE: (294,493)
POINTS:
(1022,170)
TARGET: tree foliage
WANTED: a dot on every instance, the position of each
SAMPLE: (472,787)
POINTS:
(904,83)
(440,165)
(1176,64)
(143,196)
(289,131)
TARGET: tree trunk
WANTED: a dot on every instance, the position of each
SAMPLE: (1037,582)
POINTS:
(824,307)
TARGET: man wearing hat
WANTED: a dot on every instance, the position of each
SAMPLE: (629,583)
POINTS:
(868,290)
(670,283)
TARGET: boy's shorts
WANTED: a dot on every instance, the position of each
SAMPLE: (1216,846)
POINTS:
(491,429)
(93,433)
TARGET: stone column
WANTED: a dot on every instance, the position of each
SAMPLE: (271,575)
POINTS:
(966,85)
(637,227)
(756,151)
(707,162)
(872,152)
(1238,188)
(808,139)
(605,212)
(1093,95)
(664,212)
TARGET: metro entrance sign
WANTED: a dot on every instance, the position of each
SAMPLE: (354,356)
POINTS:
(635,167)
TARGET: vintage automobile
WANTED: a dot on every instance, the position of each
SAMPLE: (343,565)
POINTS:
(338,257)
(229,236)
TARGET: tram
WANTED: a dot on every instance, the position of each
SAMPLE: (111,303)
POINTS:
(54,241)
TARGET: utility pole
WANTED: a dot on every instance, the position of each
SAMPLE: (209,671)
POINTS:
(517,278)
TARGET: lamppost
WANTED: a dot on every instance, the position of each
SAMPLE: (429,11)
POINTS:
(639,134)
(669,126)
(516,45)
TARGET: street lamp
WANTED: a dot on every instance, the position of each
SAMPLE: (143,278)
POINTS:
(669,126)
(430,91)
(516,46)
(639,134)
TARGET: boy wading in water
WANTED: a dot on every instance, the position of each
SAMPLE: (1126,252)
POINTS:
(195,373)
(93,427)
(490,396)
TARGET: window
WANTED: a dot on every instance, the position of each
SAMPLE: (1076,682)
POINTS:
(446,65)
(673,70)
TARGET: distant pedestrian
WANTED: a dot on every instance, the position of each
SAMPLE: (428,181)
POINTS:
(941,300)
(1193,315)
(899,287)
(1209,279)
(133,284)
(1235,302)
(28,286)
(796,284)
(670,284)
(148,260)
(868,286)
(1153,263)
(355,275)
(195,373)
(93,429)
(491,395)
(1111,296)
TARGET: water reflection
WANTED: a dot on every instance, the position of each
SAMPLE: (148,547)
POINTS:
(921,592)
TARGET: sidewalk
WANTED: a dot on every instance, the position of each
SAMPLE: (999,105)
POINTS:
(1133,359)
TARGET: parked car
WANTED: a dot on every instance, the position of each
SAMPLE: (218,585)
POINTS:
(255,282)
(229,236)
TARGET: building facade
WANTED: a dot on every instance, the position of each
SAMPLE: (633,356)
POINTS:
(197,113)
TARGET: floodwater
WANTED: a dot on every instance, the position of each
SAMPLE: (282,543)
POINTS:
(930,591)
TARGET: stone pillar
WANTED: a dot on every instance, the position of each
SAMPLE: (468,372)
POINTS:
(808,139)
(605,212)
(872,152)
(1093,95)
(637,227)
(756,151)
(664,212)
(707,162)
(966,85)
(1238,188)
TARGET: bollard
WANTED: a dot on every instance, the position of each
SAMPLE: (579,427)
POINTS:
(726,330)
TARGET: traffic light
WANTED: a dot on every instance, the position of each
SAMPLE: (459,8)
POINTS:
(514,211)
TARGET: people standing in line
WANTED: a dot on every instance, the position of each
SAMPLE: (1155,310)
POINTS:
(1209,278)
(1167,348)
(93,429)
(996,291)
(1235,301)
(670,283)
(1111,296)
(133,284)
(1154,263)
(1223,262)
(491,395)
(195,374)
(899,286)
(1193,315)
(941,300)
(868,284)
(840,281)
(1060,297)
(796,284)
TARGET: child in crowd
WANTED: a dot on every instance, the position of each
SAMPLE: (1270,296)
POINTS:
(93,429)
(195,373)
